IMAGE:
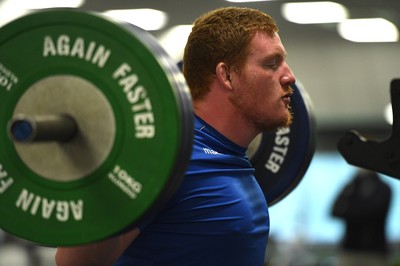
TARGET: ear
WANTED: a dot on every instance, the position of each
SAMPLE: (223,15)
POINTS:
(223,75)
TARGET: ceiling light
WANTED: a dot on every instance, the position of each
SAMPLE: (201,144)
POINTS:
(246,1)
(146,18)
(10,11)
(368,30)
(174,41)
(314,12)
(40,4)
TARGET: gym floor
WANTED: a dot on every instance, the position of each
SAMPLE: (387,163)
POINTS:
(18,252)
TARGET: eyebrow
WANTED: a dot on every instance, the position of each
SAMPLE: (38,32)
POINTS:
(277,55)
(280,53)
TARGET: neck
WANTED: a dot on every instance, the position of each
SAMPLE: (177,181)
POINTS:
(217,111)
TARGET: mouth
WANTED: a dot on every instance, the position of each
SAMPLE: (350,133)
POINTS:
(286,99)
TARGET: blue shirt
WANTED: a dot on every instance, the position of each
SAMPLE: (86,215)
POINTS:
(218,216)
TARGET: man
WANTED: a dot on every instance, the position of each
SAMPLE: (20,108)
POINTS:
(234,64)
(363,204)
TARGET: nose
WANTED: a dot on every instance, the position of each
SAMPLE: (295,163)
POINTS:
(287,77)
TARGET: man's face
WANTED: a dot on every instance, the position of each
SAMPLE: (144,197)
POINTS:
(262,89)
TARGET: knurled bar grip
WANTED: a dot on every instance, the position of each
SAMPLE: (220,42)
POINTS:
(59,127)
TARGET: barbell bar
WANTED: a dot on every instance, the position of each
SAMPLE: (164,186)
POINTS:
(97,129)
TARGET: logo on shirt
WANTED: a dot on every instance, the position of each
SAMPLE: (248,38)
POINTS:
(209,151)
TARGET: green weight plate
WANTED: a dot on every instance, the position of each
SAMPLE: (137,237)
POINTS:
(134,115)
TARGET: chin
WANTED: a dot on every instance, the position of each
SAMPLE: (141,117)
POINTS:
(289,120)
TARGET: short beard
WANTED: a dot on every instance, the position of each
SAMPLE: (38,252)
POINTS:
(262,124)
(276,124)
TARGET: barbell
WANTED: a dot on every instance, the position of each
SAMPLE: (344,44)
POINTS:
(97,129)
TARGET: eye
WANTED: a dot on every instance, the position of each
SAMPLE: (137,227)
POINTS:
(273,63)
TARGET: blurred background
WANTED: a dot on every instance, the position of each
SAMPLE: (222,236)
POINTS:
(346,67)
